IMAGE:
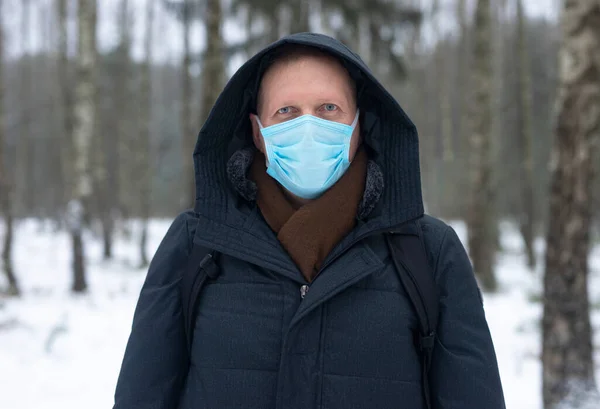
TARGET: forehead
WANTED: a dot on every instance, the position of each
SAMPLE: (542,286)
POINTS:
(309,73)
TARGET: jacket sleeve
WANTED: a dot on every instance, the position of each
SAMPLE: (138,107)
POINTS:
(156,360)
(464,370)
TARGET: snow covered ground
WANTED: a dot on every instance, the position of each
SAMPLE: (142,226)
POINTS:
(58,351)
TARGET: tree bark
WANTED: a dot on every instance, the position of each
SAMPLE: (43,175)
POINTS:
(6,191)
(567,349)
(443,79)
(66,100)
(83,133)
(480,223)
(527,211)
(188,125)
(24,180)
(463,79)
(143,143)
(300,17)
(445,103)
(213,65)
(107,201)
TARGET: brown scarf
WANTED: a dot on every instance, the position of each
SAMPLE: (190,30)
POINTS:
(310,232)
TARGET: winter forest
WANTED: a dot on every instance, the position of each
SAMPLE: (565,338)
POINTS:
(101,102)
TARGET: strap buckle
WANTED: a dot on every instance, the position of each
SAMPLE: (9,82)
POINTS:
(426,342)
(209,266)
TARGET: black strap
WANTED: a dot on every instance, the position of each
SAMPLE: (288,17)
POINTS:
(410,259)
(201,266)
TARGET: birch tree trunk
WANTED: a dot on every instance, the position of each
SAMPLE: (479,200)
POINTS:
(188,127)
(6,183)
(527,211)
(480,223)
(142,151)
(567,349)
(83,130)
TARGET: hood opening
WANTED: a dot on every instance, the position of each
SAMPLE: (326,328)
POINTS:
(390,136)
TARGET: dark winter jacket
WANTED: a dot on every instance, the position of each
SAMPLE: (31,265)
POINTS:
(348,343)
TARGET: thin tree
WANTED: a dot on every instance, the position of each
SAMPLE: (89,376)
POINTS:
(143,142)
(109,200)
(65,99)
(83,130)
(444,80)
(567,348)
(480,224)
(527,210)
(6,188)
(444,103)
(300,16)
(188,125)
(213,64)
(24,180)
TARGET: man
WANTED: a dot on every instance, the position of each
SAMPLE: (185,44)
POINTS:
(303,168)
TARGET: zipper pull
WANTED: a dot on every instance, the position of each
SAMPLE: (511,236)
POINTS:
(304,291)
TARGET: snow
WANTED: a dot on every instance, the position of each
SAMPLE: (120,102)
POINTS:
(63,351)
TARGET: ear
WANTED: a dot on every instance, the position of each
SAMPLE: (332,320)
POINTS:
(256,135)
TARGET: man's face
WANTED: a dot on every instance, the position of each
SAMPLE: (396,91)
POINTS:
(315,85)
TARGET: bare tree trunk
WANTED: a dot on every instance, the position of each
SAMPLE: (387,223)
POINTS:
(188,127)
(300,17)
(480,223)
(107,200)
(24,181)
(274,24)
(50,121)
(66,100)
(463,80)
(567,349)
(527,211)
(6,191)
(444,166)
(85,91)
(498,79)
(213,65)
(443,94)
(143,143)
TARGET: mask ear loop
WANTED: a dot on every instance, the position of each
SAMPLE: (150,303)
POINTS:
(355,119)
(260,125)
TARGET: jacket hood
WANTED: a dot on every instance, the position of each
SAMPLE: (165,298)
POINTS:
(390,135)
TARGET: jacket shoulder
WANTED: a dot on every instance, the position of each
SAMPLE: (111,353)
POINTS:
(434,230)
(434,233)
(174,248)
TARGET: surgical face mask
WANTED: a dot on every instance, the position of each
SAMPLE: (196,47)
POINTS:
(307,155)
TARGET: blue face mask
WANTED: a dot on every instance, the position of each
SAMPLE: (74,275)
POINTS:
(307,155)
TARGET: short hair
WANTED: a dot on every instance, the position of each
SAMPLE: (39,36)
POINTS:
(289,53)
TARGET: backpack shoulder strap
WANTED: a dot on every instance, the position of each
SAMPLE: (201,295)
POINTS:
(407,250)
(201,265)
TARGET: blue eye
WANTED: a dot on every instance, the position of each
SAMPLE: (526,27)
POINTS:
(330,107)
(284,110)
